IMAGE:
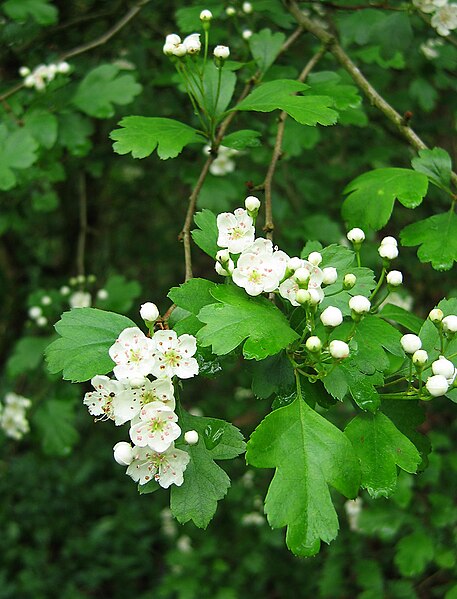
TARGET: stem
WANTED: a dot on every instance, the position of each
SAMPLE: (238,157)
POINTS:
(297,380)
(410,374)
(205,57)
(399,380)
(357,255)
(379,285)
(440,331)
(188,85)
(218,93)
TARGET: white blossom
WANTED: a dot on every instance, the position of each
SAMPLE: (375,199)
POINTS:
(127,404)
(221,52)
(252,204)
(329,275)
(389,251)
(230,11)
(331,317)
(445,19)
(100,402)
(360,304)
(315,258)
(80,299)
(437,385)
(192,43)
(206,15)
(191,437)
(236,231)
(410,343)
(450,323)
(46,300)
(42,321)
(123,453)
(247,8)
(436,315)
(133,354)
(179,51)
(429,6)
(13,419)
(353,510)
(155,427)
(338,349)
(288,290)
(313,344)
(394,278)
(356,235)
(444,367)
(102,295)
(260,268)
(173,355)
(35,312)
(246,33)
(149,312)
(166,468)
(65,290)
(389,241)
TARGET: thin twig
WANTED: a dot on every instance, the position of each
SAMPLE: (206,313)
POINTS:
(382,6)
(373,96)
(82,235)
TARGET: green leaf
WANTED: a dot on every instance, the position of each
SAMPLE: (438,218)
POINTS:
(42,125)
(309,454)
(437,238)
(86,334)
(272,375)
(218,85)
(380,447)
(412,322)
(413,553)
(121,294)
(74,132)
(103,87)
(265,47)
(281,95)
(206,234)
(141,135)
(205,483)
(245,138)
(41,11)
(27,354)
(193,295)
(328,83)
(238,318)
(372,195)
(374,335)
(54,420)
(436,164)
(338,297)
(17,151)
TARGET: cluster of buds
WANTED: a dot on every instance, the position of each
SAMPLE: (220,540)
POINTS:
(43,74)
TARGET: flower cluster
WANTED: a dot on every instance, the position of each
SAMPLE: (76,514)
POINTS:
(223,163)
(43,74)
(13,419)
(147,404)
(444,14)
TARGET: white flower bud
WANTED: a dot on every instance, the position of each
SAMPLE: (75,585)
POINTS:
(303,296)
(192,43)
(437,385)
(29,81)
(389,251)
(394,278)
(179,51)
(173,39)
(149,312)
(102,294)
(24,71)
(206,15)
(349,281)
(450,324)
(42,321)
(436,315)
(247,33)
(35,312)
(315,258)
(338,349)
(247,8)
(444,367)
(65,290)
(221,52)
(230,11)
(331,317)
(360,304)
(389,241)
(313,344)
(315,297)
(123,453)
(226,269)
(168,49)
(223,256)
(191,437)
(410,343)
(420,357)
(302,275)
(63,68)
(46,300)
(252,204)
(295,263)
(356,235)
(330,275)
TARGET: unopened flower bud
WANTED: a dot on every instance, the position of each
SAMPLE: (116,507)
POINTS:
(252,204)
(65,290)
(246,33)
(223,256)
(314,297)
(394,278)
(330,275)
(410,343)
(302,276)
(389,241)
(35,312)
(247,8)
(356,235)
(294,263)
(338,349)
(444,367)
(388,251)
(24,71)
(168,49)
(173,39)
(42,321)
(63,67)
(206,15)
(46,300)
(436,315)
(450,324)
(315,258)
(437,385)
(226,269)
(230,11)
(221,52)
(179,51)
(360,304)
(102,294)
(313,344)
(349,281)
(331,317)
(191,437)
(302,296)
(192,43)
(149,312)
(123,453)
(420,357)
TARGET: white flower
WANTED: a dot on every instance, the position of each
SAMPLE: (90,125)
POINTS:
(389,251)
(13,419)
(123,453)
(247,8)
(410,343)
(166,468)
(102,295)
(450,324)
(349,281)
(445,19)
(353,510)
(394,278)
(252,204)
(99,402)
(192,43)
(436,315)
(221,52)
(127,404)
(360,304)
(259,268)
(63,67)
(331,317)
(230,11)
(429,6)
(155,427)
(295,263)
(313,344)
(35,312)
(420,357)
(191,437)
(42,321)
(437,385)
(315,296)
(24,71)
(225,271)
(80,299)
(65,290)
(288,290)
(173,39)
(236,231)
(46,300)
(206,15)
(329,275)
(310,275)
(247,34)
(133,354)
(389,241)
(315,258)
(356,235)
(149,312)
(444,367)
(179,51)
(173,355)
(338,349)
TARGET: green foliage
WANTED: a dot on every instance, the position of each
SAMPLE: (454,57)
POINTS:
(41,11)
(309,454)
(26,355)
(42,125)
(375,337)
(265,47)
(412,322)
(121,294)
(17,151)
(206,234)
(436,164)
(236,318)
(240,140)
(86,334)
(55,421)
(413,554)
(372,195)
(218,87)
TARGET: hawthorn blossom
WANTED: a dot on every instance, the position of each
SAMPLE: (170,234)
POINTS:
(13,419)
(155,427)
(236,231)
(167,468)
(126,405)
(445,19)
(260,268)
(133,354)
(100,401)
(173,355)
(429,6)
(80,299)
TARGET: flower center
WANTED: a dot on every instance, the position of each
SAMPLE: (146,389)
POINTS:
(172,358)
(255,277)
(135,355)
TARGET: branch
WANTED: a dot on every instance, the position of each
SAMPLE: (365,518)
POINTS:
(370,92)
(81,247)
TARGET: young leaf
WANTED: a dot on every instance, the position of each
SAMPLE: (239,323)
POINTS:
(141,135)
(86,334)
(102,87)
(372,195)
(205,483)
(238,318)
(245,138)
(17,151)
(27,355)
(281,95)
(206,234)
(309,454)
(42,126)
(193,295)
(40,11)
(265,47)
(436,164)
(410,321)
(121,294)
(219,85)
(413,553)
(374,335)
(54,420)
(380,447)
(328,83)
(437,238)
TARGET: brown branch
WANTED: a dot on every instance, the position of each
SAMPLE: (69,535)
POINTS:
(82,235)
(370,92)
